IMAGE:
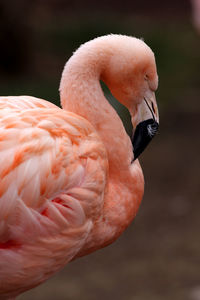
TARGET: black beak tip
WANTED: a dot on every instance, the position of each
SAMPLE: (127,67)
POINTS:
(143,134)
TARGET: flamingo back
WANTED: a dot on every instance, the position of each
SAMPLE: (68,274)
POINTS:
(53,174)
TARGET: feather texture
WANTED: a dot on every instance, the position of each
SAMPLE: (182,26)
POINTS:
(52,165)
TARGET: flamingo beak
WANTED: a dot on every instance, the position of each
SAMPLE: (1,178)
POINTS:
(146,125)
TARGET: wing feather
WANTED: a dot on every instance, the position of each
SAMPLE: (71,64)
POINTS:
(47,154)
(53,170)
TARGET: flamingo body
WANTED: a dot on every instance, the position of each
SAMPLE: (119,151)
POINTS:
(69,185)
(51,161)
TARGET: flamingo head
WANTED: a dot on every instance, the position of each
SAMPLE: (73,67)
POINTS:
(132,78)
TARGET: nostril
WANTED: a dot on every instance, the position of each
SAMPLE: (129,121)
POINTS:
(153,108)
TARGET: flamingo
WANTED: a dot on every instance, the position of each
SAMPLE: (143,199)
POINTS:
(70,178)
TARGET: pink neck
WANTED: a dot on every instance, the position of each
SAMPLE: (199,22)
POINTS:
(81,93)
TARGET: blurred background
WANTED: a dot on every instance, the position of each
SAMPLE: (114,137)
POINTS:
(158,257)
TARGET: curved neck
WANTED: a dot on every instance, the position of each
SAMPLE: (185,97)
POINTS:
(81,93)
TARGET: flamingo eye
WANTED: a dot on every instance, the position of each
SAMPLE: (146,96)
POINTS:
(146,77)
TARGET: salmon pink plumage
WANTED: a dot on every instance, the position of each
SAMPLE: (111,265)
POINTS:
(70,181)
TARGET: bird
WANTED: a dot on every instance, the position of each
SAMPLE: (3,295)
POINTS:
(71,181)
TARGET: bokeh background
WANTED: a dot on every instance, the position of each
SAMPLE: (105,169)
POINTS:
(158,257)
